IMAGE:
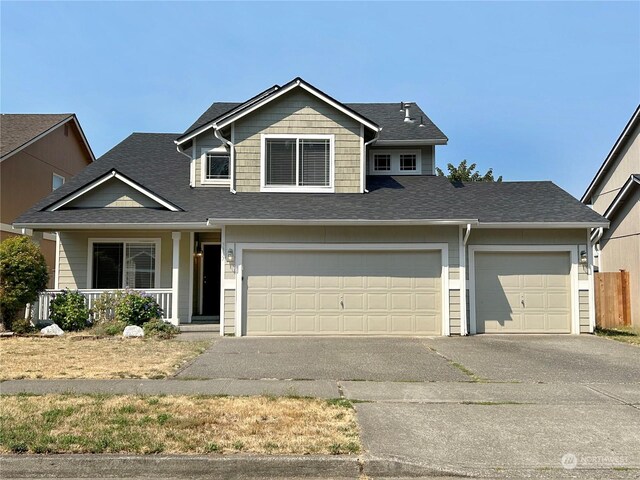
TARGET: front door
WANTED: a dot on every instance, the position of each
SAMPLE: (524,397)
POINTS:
(211,280)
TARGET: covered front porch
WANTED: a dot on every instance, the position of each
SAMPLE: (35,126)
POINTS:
(181,270)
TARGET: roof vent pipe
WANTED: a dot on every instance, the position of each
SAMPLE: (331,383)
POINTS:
(407,115)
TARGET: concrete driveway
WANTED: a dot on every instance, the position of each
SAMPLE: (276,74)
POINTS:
(503,358)
(324,358)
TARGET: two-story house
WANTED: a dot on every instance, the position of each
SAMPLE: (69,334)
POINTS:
(293,213)
(614,193)
(38,154)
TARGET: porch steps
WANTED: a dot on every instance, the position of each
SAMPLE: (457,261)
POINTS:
(199,327)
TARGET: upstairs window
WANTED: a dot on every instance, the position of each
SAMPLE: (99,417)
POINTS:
(395,162)
(215,166)
(382,162)
(297,163)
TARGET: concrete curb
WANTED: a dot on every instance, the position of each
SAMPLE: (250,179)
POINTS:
(214,466)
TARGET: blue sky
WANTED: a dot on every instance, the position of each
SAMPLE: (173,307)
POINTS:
(536,90)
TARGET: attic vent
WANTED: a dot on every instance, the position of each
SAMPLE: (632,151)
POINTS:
(405,106)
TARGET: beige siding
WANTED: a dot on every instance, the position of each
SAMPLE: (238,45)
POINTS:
(620,249)
(297,112)
(515,236)
(229,312)
(113,193)
(74,254)
(454,311)
(626,164)
(583,298)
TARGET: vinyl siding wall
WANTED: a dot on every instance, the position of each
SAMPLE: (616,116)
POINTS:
(74,255)
(427,156)
(113,193)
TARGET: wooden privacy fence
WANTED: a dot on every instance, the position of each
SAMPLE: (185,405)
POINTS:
(613,299)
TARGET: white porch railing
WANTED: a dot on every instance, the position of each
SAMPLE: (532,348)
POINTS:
(164,297)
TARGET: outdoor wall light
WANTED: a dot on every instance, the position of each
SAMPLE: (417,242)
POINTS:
(583,257)
(230,256)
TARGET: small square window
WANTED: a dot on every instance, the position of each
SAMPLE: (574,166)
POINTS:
(217,167)
(58,181)
(382,163)
(407,162)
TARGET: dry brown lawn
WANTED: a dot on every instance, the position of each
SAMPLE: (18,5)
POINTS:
(176,424)
(64,357)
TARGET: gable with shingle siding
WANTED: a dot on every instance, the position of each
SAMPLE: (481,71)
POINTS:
(298,113)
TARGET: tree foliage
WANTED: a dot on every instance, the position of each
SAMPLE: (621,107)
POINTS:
(23,274)
(464,173)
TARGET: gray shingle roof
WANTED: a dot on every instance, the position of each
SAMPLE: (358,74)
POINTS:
(16,129)
(387,115)
(152,160)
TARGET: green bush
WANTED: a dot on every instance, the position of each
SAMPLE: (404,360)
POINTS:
(22,326)
(69,311)
(109,328)
(136,308)
(23,274)
(104,307)
(160,329)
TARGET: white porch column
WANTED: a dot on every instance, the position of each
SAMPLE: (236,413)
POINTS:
(175,277)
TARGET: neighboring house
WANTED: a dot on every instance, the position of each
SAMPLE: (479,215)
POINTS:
(295,214)
(615,194)
(38,154)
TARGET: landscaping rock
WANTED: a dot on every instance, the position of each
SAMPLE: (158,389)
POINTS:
(133,331)
(52,329)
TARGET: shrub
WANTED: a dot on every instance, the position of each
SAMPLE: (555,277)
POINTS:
(136,308)
(68,310)
(110,328)
(104,307)
(23,274)
(160,329)
(22,326)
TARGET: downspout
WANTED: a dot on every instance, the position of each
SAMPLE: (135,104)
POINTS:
(232,155)
(464,330)
(181,150)
(466,235)
(366,144)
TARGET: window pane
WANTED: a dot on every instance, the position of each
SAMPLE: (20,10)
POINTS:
(107,265)
(314,163)
(57,182)
(281,161)
(217,166)
(382,163)
(408,162)
(141,265)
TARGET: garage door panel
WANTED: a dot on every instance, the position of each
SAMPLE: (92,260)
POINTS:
(523,292)
(342,292)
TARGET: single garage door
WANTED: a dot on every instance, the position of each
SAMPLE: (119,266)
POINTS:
(336,293)
(520,292)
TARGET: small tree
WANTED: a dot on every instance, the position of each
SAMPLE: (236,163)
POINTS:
(23,275)
(464,173)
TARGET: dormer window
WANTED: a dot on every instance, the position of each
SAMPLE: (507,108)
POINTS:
(395,162)
(215,166)
(297,163)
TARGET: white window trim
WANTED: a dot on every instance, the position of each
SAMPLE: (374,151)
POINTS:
(203,167)
(337,247)
(295,189)
(395,162)
(155,241)
(572,250)
(55,175)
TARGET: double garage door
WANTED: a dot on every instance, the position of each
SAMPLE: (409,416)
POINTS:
(342,292)
(523,292)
